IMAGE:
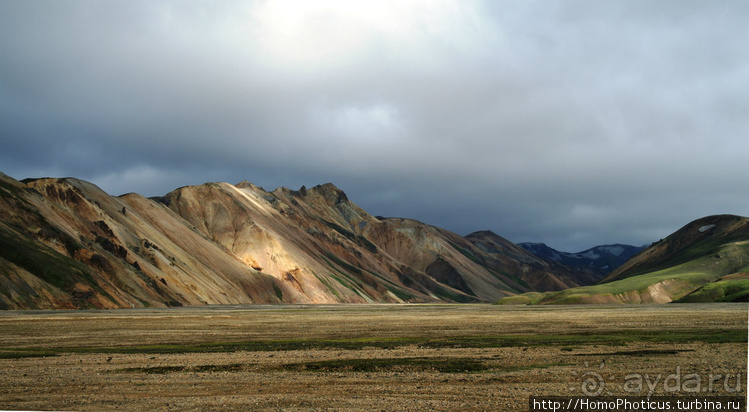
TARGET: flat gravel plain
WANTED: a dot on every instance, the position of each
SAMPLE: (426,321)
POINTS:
(364,357)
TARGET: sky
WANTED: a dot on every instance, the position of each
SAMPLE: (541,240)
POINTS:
(573,123)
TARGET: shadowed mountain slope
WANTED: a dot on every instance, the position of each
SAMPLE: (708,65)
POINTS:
(539,273)
(706,260)
(705,237)
(602,259)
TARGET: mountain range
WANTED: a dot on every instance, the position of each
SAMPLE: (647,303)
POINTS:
(602,259)
(65,243)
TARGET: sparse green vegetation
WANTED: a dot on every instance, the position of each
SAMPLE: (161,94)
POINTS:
(444,365)
(643,352)
(516,279)
(639,284)
(358,239)
(679,281)
(720,248)
(410,364)
(728,290)
(612,338)
(467,253)
(155,370)
(453,296)
(52,267)
(217,368)
(160,370)
(327,285)
(27,354)
(351,268)
(12,189)
(400,293)
(346,283)
(279,292)
(529,298)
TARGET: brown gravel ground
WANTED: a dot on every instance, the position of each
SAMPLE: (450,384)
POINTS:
(418,367)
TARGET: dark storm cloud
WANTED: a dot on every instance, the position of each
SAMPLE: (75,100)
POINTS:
(574,123)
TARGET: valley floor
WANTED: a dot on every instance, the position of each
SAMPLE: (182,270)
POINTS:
(364,357)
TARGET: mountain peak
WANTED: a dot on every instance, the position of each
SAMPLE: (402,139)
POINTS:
(330,192)
(246,184)
(484,233)
(714,223)
(701,237)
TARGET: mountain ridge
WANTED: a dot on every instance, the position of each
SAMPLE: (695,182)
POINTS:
(68,244)
(602,258)
(701,236)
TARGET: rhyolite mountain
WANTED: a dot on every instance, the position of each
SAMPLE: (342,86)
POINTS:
(65,243)
(602,259)
(706,260)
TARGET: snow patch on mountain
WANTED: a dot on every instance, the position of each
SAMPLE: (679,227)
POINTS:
(590,254)
(604,258)
(616,250)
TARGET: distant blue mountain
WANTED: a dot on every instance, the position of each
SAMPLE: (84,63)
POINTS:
(604,258)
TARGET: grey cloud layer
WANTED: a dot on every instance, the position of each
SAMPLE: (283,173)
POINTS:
(573,123)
